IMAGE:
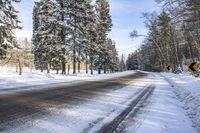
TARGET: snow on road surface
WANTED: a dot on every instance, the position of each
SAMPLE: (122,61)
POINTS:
(10,80)
(83,111)
(187,89)
(162,113)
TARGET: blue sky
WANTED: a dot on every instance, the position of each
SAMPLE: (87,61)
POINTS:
(126,15)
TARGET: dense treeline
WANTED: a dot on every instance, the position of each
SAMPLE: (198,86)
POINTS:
(132,61)
(69,32)
(173,37)
(66,33)
(8,22)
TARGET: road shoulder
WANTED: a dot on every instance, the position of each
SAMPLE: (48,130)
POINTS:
(162,113)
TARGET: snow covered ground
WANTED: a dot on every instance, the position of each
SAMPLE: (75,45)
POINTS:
(162,113)
(187,89)
(10,80)
(86,110)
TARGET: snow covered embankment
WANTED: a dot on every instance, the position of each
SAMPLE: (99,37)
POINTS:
(187,89)
(10,80)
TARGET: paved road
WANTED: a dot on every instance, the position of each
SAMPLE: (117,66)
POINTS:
(71,108)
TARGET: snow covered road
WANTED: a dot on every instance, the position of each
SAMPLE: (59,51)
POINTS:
(79,107)
(121,104)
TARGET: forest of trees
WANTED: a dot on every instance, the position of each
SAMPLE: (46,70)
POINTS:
(66,34)
(132,61)
(173,37)
(69,32)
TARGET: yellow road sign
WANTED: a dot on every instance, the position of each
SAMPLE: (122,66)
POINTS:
(193,67)
(168,68)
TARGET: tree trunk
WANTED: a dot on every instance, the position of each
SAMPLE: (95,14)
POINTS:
(74,61)
(17,68)
(63,39)
(48,68)
(79,60)
(79,66)
(68,68)
(104,69)
(74,49)
(20,67)
(99,71)
(63,67)
(91,67)
(86,66)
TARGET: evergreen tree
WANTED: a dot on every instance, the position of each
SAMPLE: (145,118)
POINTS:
(111,57)
(90,48)
(67,30)
(115,58)
(48,47)
(132,61)
(8,22)
(35,38)
(160,47)
(104,25)
(75,14)
(63,12)
(122,63)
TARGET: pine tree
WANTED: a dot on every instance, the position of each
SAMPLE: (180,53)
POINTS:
(8,22)
(114,61)
(90,48)
(78,17)
(111,56)
(104,25)
(48,46)
(63,12)
(35,38)
(132,61)
(122,63)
